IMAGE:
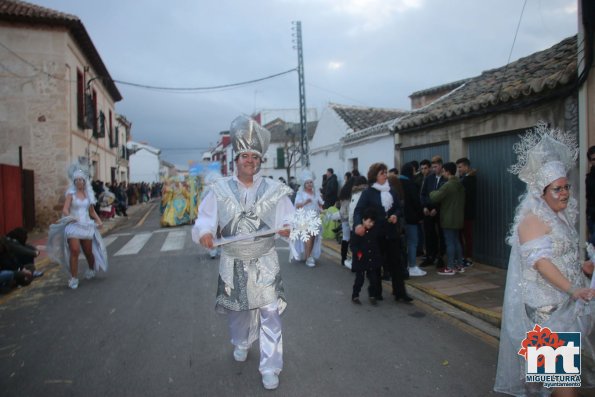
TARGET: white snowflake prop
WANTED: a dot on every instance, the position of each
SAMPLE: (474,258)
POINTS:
(304,225)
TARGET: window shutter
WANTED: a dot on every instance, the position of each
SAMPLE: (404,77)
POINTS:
(280,157)
(101,132)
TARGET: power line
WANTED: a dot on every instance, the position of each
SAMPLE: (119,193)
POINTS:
(215,87)
(171,149)
(516,32)
(144,86)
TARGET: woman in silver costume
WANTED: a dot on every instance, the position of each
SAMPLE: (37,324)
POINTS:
(546,284)
(78,229)
(250,289)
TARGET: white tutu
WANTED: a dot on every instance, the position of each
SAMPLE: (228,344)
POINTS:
(79,230)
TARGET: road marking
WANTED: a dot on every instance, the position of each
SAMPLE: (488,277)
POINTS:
(109,239)
(120,234)
(174,241)
(144,218)
(134,245)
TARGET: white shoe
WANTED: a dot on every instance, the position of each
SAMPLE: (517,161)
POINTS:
(348,263)
(73,283)
(240,354)
(310,262)
(90,274)
(415,271)
(270,380)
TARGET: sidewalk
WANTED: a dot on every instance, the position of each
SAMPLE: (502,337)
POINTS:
(479,291)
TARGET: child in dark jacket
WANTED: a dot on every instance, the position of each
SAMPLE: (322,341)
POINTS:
(366,257)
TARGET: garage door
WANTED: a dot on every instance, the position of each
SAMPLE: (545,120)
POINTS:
(497,196)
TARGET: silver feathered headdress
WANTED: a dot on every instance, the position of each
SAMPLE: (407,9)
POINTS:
(544,155)
(307,175)
(248,136)
(79,170)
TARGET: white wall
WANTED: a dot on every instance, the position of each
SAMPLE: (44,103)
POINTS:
(329,131)
(144,167)
(325,147)
(377,149)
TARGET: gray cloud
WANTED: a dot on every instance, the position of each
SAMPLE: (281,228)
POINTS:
(381,51)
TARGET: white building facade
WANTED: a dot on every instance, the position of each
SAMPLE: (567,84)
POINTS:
(350,137)
(145,164)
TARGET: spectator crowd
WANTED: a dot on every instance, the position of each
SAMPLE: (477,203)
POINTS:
(433,204)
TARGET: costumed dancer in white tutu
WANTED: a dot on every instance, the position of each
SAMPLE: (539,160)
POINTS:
(250,288)
(78,229)
(308,198)
(546,282)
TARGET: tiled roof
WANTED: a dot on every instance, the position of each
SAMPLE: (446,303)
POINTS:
(432,90)
(279,127)
(27,13)
(359,118)
(524,81)
(374,130)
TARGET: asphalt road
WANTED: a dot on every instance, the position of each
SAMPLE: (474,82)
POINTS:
(148,328)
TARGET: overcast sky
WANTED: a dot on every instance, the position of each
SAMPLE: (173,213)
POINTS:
(356,52)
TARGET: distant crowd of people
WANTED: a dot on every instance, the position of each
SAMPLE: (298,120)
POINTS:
(113,199)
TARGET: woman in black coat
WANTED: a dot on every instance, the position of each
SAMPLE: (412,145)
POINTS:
(386,204)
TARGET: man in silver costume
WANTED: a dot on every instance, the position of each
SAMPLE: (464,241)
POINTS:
(250,289)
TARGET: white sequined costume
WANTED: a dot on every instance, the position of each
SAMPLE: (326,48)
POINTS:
(298,250)
(250,287)
(84,227)
(529,299)
(77,225)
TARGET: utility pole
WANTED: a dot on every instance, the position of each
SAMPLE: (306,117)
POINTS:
(297,35)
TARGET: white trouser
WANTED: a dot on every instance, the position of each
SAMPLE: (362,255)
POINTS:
(271,340)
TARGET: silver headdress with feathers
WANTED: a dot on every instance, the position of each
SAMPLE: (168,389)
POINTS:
(544,155)
(78,170)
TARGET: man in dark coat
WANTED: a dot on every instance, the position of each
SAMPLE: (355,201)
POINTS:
(435,247)
(331,189)
(468,178)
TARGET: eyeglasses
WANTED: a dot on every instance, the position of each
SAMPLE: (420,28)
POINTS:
(558,189)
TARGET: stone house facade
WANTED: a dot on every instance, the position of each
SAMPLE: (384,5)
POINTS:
(57,101)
